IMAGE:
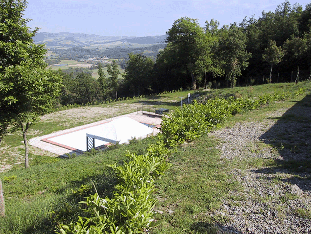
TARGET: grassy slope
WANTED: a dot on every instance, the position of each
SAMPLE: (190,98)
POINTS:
(200,181)
(39,198)
(12,148)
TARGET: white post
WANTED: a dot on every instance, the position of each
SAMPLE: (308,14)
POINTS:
(181,102)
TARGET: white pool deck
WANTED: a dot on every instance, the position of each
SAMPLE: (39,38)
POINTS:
(121,128)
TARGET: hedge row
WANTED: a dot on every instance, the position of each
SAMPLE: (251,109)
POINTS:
(196,119)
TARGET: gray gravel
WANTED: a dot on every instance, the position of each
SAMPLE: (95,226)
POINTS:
(273,199)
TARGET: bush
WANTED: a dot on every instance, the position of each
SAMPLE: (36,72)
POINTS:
(130,209)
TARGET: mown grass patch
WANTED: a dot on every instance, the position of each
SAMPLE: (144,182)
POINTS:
(193,188)
(47,194)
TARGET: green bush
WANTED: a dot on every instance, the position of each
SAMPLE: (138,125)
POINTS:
(130,209)
(192,121)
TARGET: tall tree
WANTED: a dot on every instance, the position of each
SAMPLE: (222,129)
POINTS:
(34,91)
(231,52)
(27,89)
(138,72)
(305,20)
(191,48)
(86,88)
(307,39)
(112,82)
(102,79)
(272,55)
(295,48)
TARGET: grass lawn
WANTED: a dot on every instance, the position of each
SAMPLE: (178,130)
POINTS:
(189,194)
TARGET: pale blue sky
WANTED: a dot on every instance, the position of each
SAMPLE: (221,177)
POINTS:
(138,17)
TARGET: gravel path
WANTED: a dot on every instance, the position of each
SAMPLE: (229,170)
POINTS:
(273,199)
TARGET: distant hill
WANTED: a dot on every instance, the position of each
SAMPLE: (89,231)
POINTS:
(67,40)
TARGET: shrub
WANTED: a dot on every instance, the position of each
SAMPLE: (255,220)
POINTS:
(130,209)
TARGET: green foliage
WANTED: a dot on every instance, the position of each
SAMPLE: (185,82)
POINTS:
(231,52)
(192,121)
(112,80)
(272,55)
(138,73)
(79,88)
(27,89)
(130,208)
(188,50)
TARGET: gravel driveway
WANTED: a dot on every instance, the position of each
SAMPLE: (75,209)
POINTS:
(277,198)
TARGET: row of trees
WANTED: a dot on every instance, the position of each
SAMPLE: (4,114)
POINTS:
(79,87)
(276,47)
(278,42)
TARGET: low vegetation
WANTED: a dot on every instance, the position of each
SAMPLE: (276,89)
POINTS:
(40,199)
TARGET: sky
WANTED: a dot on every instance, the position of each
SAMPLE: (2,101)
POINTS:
(139,17)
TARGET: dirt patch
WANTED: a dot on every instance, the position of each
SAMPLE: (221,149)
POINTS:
(274,199)
(91,113)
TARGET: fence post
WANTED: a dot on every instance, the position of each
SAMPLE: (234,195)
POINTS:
(2,207)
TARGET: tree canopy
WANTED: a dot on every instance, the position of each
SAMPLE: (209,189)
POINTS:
(27,88)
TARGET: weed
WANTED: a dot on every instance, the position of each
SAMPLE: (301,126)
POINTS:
(303,213)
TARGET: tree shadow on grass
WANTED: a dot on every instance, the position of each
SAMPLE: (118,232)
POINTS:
(291,136)
(68,208)
(158,103)
(208,228)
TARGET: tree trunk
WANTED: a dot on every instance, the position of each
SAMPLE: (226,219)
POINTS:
(204,79)
(25,129)
(194,82)
(2,206)
(297,77)
(271,74)
(3,131)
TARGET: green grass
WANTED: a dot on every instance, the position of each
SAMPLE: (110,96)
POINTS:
(40,198)
(193,188)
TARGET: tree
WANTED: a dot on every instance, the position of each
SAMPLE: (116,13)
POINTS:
(231,51)
(294,51)
(138,72)
(27,89)
(102,79)
(307,39)
(33,90)
(112,82)
(272,55)
(305,20)
(86,88)
(191,49)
